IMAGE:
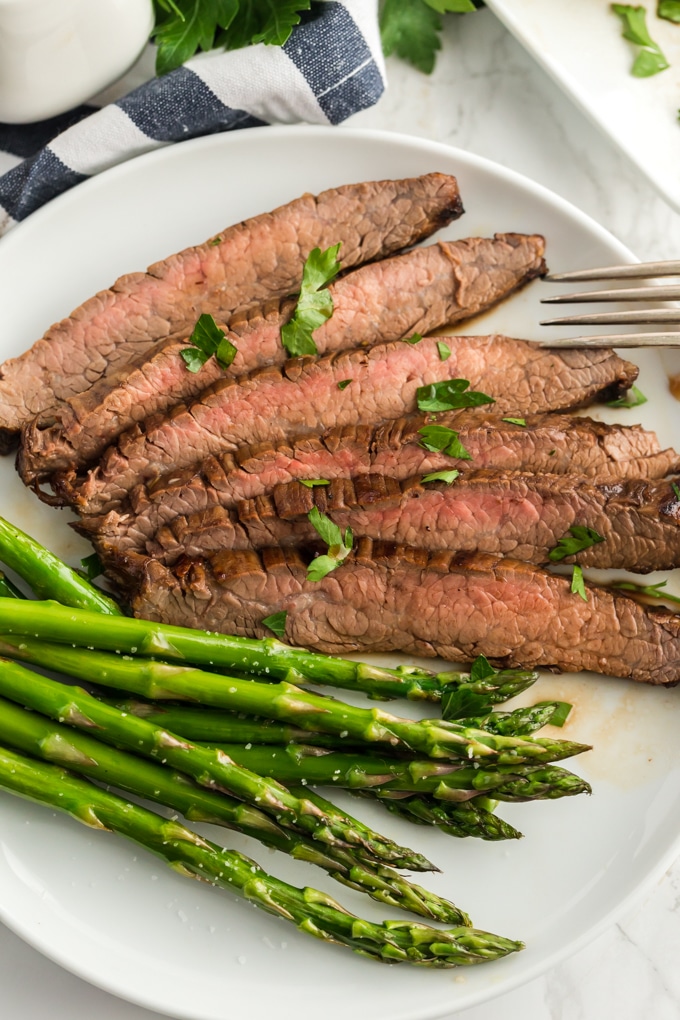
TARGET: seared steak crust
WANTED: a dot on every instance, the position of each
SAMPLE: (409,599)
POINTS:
(394,599)
(523,516)
(417,292)
(547,444)
(272,404)
(247,263)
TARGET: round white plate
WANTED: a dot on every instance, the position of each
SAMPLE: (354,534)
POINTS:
(120,919)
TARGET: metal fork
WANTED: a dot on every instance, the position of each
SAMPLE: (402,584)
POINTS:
(640,271)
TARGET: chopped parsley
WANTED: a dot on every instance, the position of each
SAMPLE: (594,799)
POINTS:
(651,590)
(208,340)
(649,59)
(449,395)
(276,623)
(92,567)
(415,339)
(441,476)
(311,482)
(633,398)
(517,421)
(339,545)
(343,384)
(676,490)
(444,350)
(315,303)
(578,539)
(669,10)
(440,439)
(577,583)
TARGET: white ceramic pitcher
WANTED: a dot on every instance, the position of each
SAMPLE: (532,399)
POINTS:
(55,54)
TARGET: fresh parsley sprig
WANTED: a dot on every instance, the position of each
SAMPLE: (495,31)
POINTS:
(339,545)
(578,585)
(311,482)
(634,398)
(650,590)
(649,59)
(315,303)
(440,439)
(669,10)
(412,28)
(441,476)
(449,395)
(578,539)
(276,623)
(208,340)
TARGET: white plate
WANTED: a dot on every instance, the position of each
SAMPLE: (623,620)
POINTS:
(580,45)
(117,917)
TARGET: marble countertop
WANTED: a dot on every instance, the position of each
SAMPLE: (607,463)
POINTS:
(489,97)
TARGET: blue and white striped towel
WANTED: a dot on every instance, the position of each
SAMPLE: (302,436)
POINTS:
(330,68)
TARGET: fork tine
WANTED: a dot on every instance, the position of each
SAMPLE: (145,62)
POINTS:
(663,293)
(632,318)
(615,340)
(640,270)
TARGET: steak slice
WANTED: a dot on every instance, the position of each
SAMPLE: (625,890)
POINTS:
(517,515)
(303,396)
(248,262)
(417,292)
(395,599)
(547,444)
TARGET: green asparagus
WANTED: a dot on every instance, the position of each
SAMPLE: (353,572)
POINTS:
(213,769)
(61,745)
(48,576)
(310,910)
(472,818)
(157,680)
(268,657)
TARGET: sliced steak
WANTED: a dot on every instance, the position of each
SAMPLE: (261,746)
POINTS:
(272,404)
(547,444)
(417,292)
(249,262)
(523,516)
(386,599)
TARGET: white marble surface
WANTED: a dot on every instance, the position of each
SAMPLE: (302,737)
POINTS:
(487,96)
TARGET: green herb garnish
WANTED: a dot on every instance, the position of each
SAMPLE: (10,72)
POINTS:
(581,538)
(676,490)
(343,384)
(440,439)
(311,482)
(208,340)
(481,669)
(669,10)
(415,339)
(444,350)
(276,623)
(517,421)
(183,27)
(649,60)
(339,545)
(315,303)
(577,583)
(633,398)
(92,566)
(448,395)
(441,476)
(411,28)
(651,590)
(561,713)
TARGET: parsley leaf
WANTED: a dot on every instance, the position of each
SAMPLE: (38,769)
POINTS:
(651,590)
(440,439)
(92,567)
(649,60)
(311,482)
(444,350)
(411,28)
(343,384)
(208,339)
(415,339)
(339,545)
(315,304)
(449,394)
(633,398)
(676,490)
(267,21)
(186,26)
(582,538)
(577,583)
(441,476)
(669,10)
(276,623)
(517,421)
(481,669)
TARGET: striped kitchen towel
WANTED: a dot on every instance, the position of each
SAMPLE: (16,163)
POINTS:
(330,67)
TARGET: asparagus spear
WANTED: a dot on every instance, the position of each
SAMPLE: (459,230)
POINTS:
(450,781)
(8,589)
(268,657)
(522,720)
(47,575)
(210,768)
(432,737)
(310,910)
(473,818)
(61,745)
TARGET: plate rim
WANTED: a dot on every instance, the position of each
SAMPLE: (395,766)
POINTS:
(23,929)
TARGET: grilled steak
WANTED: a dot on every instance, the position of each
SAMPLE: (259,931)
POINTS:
(249,262)
(416,292)
(523,516)
(272,404)
(552,444)
(386,599)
